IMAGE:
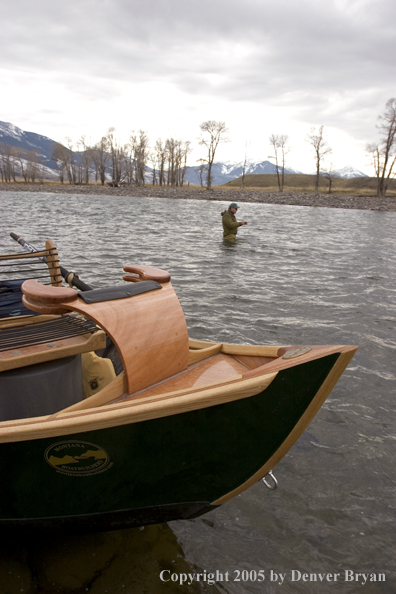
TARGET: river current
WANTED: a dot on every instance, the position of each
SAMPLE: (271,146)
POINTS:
(295,275)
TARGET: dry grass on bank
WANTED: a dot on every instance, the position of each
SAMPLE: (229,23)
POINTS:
(362,186)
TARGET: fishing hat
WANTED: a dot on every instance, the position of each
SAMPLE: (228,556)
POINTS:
(233,205)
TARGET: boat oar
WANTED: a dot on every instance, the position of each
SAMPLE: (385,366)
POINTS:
(74,280)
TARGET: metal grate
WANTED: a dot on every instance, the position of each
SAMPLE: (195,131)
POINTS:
(41,332)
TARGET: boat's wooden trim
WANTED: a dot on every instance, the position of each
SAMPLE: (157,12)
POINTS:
(39,353)
(199,344)
(134,411)
(251,350)
(197,355)
(300,427)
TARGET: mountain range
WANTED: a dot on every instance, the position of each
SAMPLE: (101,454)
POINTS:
(17,138)
(221,172)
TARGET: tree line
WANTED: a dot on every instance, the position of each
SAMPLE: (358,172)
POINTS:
(127,164)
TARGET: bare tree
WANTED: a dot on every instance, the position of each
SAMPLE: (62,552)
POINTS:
(212,134)
(383,154)
(321,149)
(101,158)
(280,147)
(24,164)
(8,163)
(60,159)
(201,171)
(185,150)
(85,160)
(177,152)
(118,158)
(138,156)
(71,166)
(330,174)
(161,157)
(245,162)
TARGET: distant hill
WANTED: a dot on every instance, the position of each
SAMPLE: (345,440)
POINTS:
(305,183)
(19,139)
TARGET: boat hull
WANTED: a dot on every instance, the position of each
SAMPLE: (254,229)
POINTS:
(160,469)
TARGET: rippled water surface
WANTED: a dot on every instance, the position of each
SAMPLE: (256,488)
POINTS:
(296,275)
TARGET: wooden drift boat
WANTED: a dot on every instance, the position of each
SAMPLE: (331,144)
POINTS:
(112,417)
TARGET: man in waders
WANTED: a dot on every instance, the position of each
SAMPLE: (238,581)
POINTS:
(230,224)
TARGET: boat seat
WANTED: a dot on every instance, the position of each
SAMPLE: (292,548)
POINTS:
(148,328)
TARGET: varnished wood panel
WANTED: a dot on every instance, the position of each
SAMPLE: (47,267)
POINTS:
(219,368)
(149,331)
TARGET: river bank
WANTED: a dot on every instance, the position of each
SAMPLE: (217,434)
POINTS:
(218,194)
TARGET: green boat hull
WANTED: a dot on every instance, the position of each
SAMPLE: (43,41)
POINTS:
(157,470)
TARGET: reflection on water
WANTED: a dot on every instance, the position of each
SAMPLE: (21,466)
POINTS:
(123,561)
(294,276)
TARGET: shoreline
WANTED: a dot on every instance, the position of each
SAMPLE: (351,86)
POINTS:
(254,195)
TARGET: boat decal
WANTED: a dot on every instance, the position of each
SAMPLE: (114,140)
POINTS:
(77,458)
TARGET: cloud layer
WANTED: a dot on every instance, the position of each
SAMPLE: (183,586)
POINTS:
(319,63)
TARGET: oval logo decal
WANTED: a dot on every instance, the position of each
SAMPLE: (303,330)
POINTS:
(77,458)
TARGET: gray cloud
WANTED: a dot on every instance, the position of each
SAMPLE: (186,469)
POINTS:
(299,55)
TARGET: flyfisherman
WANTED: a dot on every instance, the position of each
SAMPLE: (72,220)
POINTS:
(230,224)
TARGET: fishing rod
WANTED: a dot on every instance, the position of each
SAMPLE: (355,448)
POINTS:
(69,277)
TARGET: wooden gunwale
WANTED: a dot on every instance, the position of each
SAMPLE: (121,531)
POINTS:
(137,410)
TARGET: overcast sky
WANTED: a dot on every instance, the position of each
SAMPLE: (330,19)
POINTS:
(165,66)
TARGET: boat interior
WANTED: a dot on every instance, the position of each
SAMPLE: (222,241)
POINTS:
(64,350)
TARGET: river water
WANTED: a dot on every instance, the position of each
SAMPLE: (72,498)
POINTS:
(296,275)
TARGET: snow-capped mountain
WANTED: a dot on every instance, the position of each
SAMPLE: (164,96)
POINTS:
(225,172)
(13,136)
(349,172)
